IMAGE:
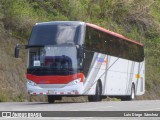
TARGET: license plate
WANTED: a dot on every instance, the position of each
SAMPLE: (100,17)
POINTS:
(51,91)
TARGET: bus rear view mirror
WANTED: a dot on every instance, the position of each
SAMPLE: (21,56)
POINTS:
(16,52)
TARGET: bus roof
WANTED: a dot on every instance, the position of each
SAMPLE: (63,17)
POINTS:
(112,33)
(90,25)
(61,22)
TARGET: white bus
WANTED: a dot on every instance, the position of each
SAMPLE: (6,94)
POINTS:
(72,58)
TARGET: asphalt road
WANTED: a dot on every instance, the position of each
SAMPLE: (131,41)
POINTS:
(95,108)
(147,105)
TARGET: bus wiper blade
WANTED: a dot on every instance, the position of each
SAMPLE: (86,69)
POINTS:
(32,46)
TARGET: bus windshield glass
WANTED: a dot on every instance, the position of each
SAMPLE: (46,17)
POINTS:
(55,34)
(53,60)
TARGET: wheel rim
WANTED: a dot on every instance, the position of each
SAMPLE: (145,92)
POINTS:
(132,93)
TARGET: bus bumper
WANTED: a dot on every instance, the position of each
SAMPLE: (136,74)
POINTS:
(67,89)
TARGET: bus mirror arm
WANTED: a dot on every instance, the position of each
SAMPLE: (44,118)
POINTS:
(17,48)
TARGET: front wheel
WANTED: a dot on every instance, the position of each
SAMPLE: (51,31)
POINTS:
(97,96)
(51,99)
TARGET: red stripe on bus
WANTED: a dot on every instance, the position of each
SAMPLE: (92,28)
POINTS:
(112,33)
(55,79)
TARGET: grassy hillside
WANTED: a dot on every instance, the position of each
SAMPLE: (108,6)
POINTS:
(136,19)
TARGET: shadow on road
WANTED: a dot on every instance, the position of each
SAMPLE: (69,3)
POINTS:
(45,103)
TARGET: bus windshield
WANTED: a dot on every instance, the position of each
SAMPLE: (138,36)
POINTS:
(55,34)
(53,60)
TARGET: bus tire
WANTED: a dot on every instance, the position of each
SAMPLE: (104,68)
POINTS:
(51,99)
(131,96)
(97,96)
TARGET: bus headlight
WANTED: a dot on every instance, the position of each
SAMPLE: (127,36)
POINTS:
(74,82)
(31,83)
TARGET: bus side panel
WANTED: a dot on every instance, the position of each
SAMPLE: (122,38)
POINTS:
(140,83)
(90,82)
(117,76)
(103,73)
(130,73)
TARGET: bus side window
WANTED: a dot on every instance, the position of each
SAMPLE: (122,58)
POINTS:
(94,40)
(110,47)
(103,43)
(88,39)
(116,45)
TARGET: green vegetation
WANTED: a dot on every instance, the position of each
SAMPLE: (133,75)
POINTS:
(136,19)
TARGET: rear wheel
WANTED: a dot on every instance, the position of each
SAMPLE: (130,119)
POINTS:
(130,97)
(97,96)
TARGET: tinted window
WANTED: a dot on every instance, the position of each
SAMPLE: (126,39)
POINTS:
(95,40)
(54,34)
(99,41)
